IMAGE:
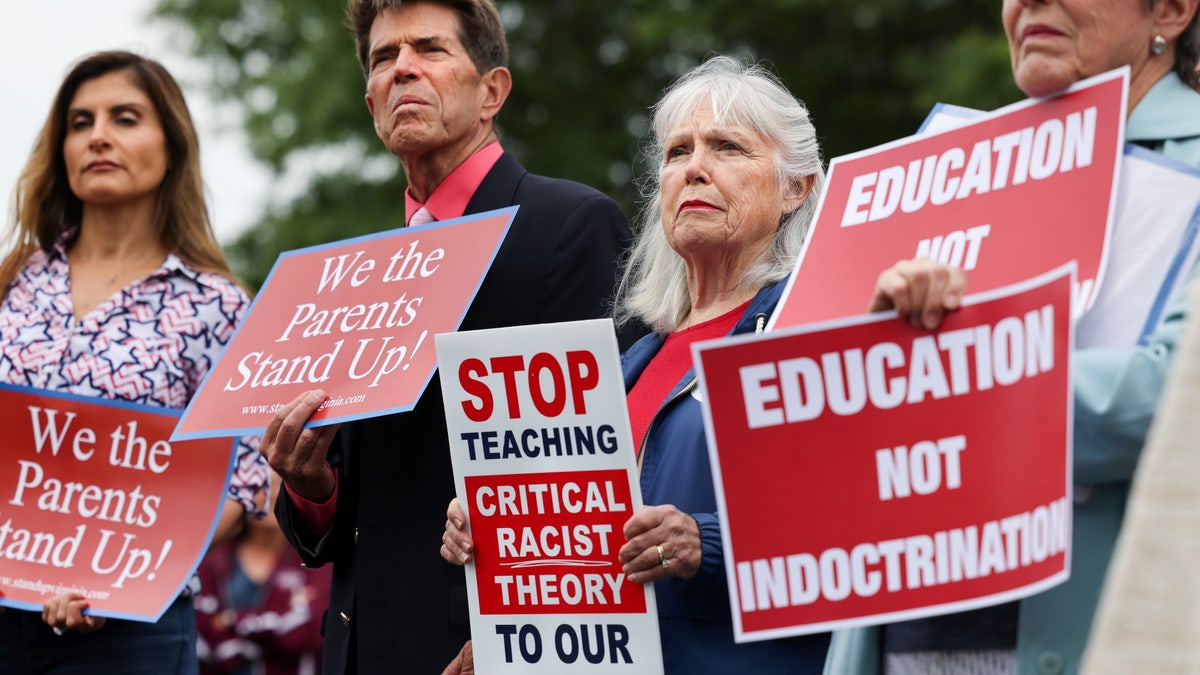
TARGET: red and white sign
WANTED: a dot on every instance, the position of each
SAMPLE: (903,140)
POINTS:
(354,318)
(1005,196)
(97,501)
(544,466)
(1153,242)
(859,482)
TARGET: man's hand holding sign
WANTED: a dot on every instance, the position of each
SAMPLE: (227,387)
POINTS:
(298,452)
(353,319)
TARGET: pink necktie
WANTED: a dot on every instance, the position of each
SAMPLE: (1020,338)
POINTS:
(421,217)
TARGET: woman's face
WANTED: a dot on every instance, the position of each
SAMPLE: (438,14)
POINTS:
(115,149)
(720,193)
(1056,43)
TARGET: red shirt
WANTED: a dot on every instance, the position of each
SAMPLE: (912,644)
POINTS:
(450,198)
(668,366)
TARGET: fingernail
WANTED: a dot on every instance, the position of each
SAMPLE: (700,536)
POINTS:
(458,523)
(462,557)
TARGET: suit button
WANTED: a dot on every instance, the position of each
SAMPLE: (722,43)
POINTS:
(356,535)
(1050,663)
(345,618)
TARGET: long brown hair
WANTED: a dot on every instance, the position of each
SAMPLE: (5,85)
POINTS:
(45,207)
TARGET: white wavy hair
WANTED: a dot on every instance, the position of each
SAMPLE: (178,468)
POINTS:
(654,286)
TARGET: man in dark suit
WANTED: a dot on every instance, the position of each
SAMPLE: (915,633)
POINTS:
(371,499)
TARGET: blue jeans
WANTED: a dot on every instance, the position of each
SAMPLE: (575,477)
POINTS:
(29,647)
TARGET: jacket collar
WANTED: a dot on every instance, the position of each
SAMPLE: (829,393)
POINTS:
(637,357)
(1170,109)
(499,186)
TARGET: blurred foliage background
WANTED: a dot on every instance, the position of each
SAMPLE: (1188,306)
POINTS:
(585,75)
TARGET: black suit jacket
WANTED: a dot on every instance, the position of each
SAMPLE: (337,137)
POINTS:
(395,605)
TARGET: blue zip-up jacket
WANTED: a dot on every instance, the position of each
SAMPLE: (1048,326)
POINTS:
(693,614)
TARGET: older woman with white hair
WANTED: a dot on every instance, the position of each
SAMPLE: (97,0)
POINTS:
(726,210)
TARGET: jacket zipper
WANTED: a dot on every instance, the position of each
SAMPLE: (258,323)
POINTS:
(760,322)
(646,437)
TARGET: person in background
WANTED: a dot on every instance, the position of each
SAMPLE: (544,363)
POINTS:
(436,80)
(116,288)
(1054,44)
(259,610)
(738,171)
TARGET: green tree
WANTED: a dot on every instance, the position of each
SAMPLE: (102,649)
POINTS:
(585,75)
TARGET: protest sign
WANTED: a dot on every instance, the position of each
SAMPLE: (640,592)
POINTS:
(352,318)
(97,501)
(899,497)
(1153,246)
(544,467)
(1005,196)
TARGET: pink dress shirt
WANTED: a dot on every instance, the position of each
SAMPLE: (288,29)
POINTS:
(448,201)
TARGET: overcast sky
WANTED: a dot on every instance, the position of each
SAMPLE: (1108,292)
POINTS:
(41,39)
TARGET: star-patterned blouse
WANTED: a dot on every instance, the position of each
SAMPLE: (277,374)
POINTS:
(151,342)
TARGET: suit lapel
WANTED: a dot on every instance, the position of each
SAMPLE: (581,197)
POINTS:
(499,187)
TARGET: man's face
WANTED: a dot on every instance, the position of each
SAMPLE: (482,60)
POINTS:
(422,88)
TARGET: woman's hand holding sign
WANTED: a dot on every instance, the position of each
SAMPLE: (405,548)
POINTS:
(457,544)
(65,612)
(920,290)
(661,541)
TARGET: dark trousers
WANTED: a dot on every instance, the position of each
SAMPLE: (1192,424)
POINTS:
(29,647)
